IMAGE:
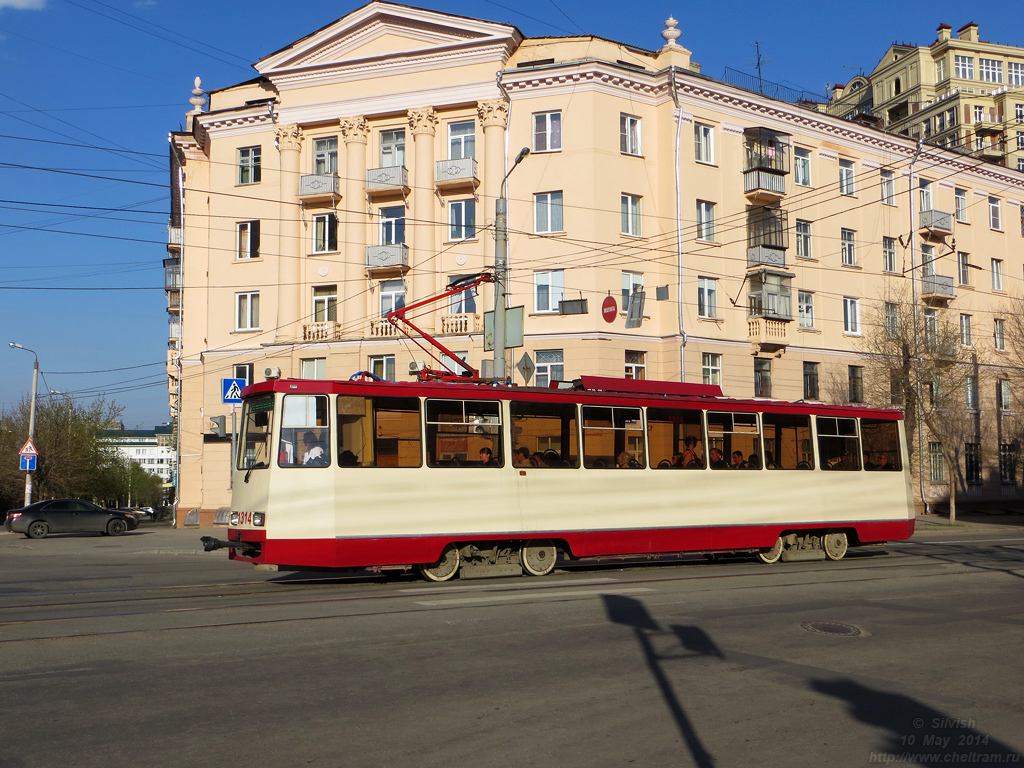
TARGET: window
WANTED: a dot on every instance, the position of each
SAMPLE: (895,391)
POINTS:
(547,212)
(851,315)
(762,377)
(931,329)
(707,297)
(971,393)
(802,167)
(805,303)
(711,368)
(1018,111)
(249,162)
(248,240)
(960,201)
(631,215)
(392,148)
(880,441)
(464,433)
(849,247)
(999,334)
(995,217)
(811,381)
(461,220)
(1020,140)
(676,438)
(461,140)
(927,260)
(856,380)
(464,302)
(325,155)
(803,240)
(629,135)
(325,233)
(940,70)
(548,290)
(888,188)
(612,437)
(897,395)
(1009,454)
(305,434)
(247,311)
(631,281)
(965,330)
(392,225)
(379,431)
(636,365)
(972,463)
(838,444)
(705,221)
(544,435)
(392,296)
(243,371)
(997,274)
(704,143)
(314,368)
(925,194)
(1003,399)
(892,320)
(991,70)
(964,267)
(847,179)
(549,364)
(325,303)
(383,366)
(1015,73)
(936,464)
(889,254)
(964,67)
(547,131)
(733,441)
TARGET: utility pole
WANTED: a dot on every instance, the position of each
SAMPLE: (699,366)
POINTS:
(501,268)
(31,414)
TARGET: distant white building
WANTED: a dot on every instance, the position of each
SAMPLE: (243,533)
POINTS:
(151,449)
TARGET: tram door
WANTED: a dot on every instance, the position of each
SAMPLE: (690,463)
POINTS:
(545,443)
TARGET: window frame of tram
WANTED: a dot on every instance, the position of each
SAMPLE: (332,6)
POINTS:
(730,432)
(466,427)
(310,418)
(608,433)
(675,438)
(787,441)
(838,443)
(881,437)
(257,430)
(379,431)
(548,432)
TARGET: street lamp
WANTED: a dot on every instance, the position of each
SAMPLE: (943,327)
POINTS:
(501,268)
(31,414)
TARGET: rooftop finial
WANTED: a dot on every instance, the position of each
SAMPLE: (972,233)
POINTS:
(198,100)
(671,34)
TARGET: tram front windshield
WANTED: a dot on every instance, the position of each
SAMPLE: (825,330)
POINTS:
(257,423)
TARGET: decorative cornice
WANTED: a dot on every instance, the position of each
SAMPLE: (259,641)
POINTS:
(493,112)
(221,122)
(423,121)
(355,130)
(289,138)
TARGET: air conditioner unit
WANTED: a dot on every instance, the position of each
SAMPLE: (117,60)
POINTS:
(272,373)
(416,366)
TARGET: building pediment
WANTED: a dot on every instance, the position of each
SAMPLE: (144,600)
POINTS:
(384,31)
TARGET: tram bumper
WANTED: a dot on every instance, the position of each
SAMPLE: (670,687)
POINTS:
(248,549)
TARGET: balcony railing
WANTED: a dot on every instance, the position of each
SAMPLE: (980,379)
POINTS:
(937,286)
(937,222)
(326,330)
(766,256)
(174,301)
(382,329)
(319,185)
(391,178)
(766,185)
(459,324)
(767,333)
(456,172)
(174,237)
(387,257)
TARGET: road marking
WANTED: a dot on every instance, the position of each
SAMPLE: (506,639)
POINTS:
(495,587)
(963,541)
(532,595)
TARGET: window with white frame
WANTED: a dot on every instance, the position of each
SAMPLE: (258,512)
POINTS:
(392,225)
(802,167)
(631,281)
(392,296)
(711,368)
(971,393)
(997,274)
(963,67)
(248,240)
(383,366)
(892,320)
(1018,112)
(461,220)
(803,240)
(243,371)
(1015,73)
(392,148)
(629,134)
(707,297)
(979,114)
(549,366)
(705,221)
(548,290)
(463,302)
(313,368)
(547,212)
(936,464)
(325,155)
(704,143)
(250,160)
(247,311)
(630,215)
(851,315)
(888,254)
(995,216)
(847,178)
(461,140)
(325,233)
(927,260)
(964,264)
(1020,140)
(888,184)
(636,364)
(762,377)
(805,302)
(547,131)
(991,70)
(325,303)
(965,331)
(925,194)
(999,334)
(940,70)
(848,240)
(931,329)
(1003,397)
(960,203)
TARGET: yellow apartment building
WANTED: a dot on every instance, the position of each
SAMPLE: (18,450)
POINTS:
(359,173)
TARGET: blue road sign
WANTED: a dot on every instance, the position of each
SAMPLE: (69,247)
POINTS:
(28,462)
(232,389)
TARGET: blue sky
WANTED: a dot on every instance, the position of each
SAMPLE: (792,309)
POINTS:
(90,88)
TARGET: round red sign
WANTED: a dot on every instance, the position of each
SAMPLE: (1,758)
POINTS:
(609,309)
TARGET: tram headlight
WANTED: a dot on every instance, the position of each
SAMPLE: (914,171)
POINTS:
(234,518)
(259,518)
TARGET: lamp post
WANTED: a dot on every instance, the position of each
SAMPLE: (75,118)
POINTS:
(31,414)
(501,268)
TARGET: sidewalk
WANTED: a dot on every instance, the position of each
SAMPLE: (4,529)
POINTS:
(973,519)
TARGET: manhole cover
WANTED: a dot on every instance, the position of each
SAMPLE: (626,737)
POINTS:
(831,628)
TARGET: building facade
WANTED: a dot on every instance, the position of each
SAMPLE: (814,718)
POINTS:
(152,449)
(359,173)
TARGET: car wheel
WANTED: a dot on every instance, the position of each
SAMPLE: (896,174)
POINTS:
(116,527)
(37,530)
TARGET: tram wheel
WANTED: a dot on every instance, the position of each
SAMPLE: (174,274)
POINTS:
(445,568)
(772,555)
(835,545)
(538,557)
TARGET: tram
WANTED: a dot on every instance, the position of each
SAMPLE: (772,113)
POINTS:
(478,479)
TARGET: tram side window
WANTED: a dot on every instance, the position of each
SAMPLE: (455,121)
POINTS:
(464,433)
(838,444)
(675,438)
(305,434)
(881,440)
(378,431)
(733,441)
(613,437)
(787,441)
(544,434)
(257,422)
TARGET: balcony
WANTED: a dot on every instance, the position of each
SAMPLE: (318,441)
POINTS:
(938,223)
(766,335)
(460,324)
(383,260)
(765,165)
(937,287)
(770,295)
(174,238)
(172,275)
(327,330)
(382,329)
(767,237)
(319,187)
(390,180)
(765,256)
(988,125)
(993,151)
(174,302)
(453,174)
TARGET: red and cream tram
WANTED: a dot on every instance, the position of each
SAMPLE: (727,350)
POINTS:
(500,479)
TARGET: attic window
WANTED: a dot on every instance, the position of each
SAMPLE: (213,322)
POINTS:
(537,63)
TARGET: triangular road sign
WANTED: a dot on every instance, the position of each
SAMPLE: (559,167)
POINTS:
(29,449)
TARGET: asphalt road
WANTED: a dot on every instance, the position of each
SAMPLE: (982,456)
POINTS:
(143,651)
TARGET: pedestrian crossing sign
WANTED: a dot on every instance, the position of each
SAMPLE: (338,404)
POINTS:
(232,389)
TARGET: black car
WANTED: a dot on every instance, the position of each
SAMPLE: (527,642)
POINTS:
(68,516)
